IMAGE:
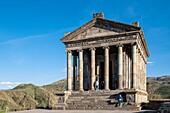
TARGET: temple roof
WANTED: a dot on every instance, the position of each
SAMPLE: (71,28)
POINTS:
(100,27)
(96,22)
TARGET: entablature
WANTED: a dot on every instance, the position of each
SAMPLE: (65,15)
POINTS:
(109,41)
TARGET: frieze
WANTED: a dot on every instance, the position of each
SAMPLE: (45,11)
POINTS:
(86,43)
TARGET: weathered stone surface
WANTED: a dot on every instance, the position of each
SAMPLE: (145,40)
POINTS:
(98,101)
(111,52)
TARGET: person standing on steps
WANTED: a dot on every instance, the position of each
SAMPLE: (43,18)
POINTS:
(97,85)
(120,100)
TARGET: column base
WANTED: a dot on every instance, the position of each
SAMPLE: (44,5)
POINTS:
(81,90)
(70,90)
(92,90)
(107,89)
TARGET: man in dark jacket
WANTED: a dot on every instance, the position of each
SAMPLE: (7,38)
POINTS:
(120,100)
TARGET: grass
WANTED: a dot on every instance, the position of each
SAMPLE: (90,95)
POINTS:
(164,91)
(2,111)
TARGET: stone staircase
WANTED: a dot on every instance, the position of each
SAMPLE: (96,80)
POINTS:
(96,100)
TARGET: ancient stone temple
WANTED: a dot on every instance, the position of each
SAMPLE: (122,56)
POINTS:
(115,53)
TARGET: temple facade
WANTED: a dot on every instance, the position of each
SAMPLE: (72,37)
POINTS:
(112,52)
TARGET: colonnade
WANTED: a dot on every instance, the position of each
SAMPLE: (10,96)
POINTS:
(106,67)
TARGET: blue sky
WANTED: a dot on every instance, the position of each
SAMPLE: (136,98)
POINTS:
(30,33)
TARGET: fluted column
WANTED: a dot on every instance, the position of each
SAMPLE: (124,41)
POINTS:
(106,69)
(81,70)
(69,71)
(120,66)
(74,71)
(134,65)
(92,67)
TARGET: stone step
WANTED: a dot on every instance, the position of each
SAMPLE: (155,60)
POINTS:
(93,93)
(76,97)
(80,103)
(92,100)
(71,99)
(134,108)
(101,97)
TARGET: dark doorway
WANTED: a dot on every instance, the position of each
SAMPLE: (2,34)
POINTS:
(101,77)
(110,76)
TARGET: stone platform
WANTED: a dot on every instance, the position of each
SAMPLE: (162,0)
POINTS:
(97,100)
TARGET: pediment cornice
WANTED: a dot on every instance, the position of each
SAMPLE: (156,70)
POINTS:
(99,23)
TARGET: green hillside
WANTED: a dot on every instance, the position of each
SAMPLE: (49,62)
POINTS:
(26,96)
(158,87)
(29,96)
(56,86)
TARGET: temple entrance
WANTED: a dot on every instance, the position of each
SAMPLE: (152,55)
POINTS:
(101,77)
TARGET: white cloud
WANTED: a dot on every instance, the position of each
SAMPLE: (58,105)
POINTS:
(9,83)
(14,41)
(64,70)
(10,86)
(150,63)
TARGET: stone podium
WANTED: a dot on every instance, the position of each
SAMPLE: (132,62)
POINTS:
(116,53)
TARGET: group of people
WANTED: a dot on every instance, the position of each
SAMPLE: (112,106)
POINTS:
(119,98)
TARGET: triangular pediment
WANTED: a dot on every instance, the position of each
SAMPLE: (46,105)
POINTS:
(99,28)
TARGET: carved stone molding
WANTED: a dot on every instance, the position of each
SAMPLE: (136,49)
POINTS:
(80,50)
(106,47)
(99,41)
(92,48)
(119,45)
(68,51)
(133,44)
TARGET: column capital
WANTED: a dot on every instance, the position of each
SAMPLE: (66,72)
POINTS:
(92,48)
(134,43)
(68,51)
(106,47)
(80,50)
(119,45)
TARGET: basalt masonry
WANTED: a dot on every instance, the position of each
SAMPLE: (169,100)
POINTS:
(115,53)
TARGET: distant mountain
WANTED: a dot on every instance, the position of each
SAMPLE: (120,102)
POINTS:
(158,87)
(29,96)
(58,86)
(26,96)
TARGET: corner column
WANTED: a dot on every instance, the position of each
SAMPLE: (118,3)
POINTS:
(106,69)
(69,71)
(134,65)
(81,70)
(92,68)
(120,66)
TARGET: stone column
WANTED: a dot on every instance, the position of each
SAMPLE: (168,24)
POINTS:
(81,70)
(134,65)
(137,69)
(129,71)
(69,71)
(120,65)
(92,68)
(106,69)
(74,71)
(144,76)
